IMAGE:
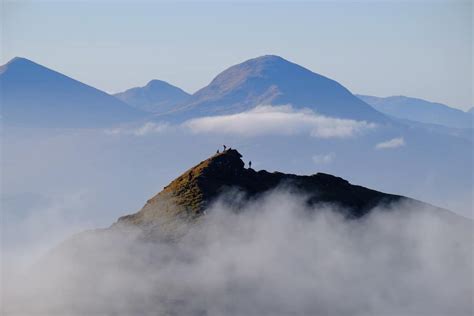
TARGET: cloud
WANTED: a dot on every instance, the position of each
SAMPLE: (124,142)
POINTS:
(277,256)
(279,120)
(262,120)
(392,143)
(143,130)
(322,159)
(33,226)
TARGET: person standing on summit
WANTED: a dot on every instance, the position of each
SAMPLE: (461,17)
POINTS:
(225,147)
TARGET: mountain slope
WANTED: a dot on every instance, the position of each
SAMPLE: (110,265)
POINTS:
(420,110)
(182,260)
(224,176)
(156,97)
(35,96)
(276,81)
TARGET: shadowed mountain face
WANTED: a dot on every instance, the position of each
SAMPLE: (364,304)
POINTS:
(420,110)
(224,176)
(272,80)
(156,97)
(35,96)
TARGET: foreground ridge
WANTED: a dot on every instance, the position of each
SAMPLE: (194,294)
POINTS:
(187,196)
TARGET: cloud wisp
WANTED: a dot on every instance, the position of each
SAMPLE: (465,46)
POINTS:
(277,256)
(323,159)
(392,143)
(263,120)
(279,120)
(145,129)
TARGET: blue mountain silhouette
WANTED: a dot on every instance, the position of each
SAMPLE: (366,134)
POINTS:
(420,110)
(156,97)
(272,80)
(35,96)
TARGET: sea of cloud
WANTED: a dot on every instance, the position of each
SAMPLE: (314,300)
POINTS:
(274,256)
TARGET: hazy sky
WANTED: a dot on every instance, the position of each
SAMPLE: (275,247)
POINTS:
(421,49)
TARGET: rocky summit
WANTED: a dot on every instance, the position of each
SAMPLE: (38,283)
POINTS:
(225,176)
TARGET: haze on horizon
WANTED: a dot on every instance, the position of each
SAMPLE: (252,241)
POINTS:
(422,49)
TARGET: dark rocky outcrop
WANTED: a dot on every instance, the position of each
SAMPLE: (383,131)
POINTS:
(188,195)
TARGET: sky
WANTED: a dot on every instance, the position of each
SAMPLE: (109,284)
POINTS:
(415,48)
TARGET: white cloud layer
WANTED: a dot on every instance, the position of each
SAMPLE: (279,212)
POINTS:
(392,143)
(275,257)
(279,120)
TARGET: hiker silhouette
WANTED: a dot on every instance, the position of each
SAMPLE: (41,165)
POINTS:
(225,147)
(250,165)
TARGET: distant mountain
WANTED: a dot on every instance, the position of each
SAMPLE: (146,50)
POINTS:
(36,96)
(272,80)
(156,97)
(420,110)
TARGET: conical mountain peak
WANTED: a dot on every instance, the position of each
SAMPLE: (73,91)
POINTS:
(20,60)
(21,64)
(37,96)
(156,83)
(157,96)
(273,80)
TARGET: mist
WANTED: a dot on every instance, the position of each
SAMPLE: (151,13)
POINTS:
(270,256)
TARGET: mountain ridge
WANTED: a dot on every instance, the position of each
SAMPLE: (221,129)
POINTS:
(223,177)
(163,240)
(419,110)
(157,96)
(273,80)
(37,96)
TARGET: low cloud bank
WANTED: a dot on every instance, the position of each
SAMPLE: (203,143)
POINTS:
(279,120)
(277,257)
(260,121)
(392,143)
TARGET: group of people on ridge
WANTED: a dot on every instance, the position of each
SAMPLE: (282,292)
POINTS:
(225,149)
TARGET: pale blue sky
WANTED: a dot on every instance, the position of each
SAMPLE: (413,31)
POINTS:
(421,49)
